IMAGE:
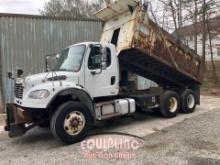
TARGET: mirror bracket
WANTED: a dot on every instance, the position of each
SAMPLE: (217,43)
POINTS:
(10,75)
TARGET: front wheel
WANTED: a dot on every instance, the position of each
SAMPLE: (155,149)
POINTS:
(71,122)
(171,104)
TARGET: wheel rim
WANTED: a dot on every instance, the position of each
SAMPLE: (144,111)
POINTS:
(74,123)
(173,104)
(190,101)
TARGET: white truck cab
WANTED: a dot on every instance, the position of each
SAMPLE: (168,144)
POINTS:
(80,66)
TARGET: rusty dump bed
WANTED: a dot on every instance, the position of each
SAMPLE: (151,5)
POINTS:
(154,69)
(146,49)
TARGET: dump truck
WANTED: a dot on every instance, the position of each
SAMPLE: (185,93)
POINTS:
(92,80)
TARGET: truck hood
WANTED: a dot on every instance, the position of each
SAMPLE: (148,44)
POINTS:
(41,78)
(53,83)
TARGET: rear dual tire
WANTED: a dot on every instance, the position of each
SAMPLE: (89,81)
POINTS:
(171,104)
(188,101)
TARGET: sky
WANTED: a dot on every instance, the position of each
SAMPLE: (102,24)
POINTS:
(21,6)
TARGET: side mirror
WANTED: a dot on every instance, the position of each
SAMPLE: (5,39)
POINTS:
(10,75)
(19,72)
(99,60)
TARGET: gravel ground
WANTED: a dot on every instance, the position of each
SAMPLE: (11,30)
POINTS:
(193,141)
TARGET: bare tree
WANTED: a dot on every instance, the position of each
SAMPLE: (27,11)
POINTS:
(191,7)
(209,11)
(195,25)
(204,30)
(214,73)
(73,8)
(174,8)
(52,8)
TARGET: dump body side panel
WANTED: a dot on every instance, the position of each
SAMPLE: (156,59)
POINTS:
(164,47)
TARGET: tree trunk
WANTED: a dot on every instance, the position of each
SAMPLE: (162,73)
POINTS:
(180,14)
(195,26)
(204,32)
(214,73)
(174,18)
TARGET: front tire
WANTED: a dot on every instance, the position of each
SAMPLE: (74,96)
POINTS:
(171,104)
(71,122)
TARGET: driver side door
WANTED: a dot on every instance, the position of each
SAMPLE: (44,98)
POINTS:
(99,78)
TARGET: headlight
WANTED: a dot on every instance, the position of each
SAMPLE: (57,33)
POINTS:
(39,94)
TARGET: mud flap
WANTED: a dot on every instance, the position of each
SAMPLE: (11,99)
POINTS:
(9,116)
(16,130)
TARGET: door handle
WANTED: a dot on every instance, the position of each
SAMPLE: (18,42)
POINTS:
(96,72)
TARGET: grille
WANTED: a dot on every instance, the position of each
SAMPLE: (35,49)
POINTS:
(18,91)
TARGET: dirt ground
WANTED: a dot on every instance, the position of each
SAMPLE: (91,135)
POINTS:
(191,139)
(211,92)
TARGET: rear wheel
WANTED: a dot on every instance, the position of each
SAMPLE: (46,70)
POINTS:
(71,122)
(188,101)
(171,104)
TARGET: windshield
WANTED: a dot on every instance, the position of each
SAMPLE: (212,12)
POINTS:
(71,58)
